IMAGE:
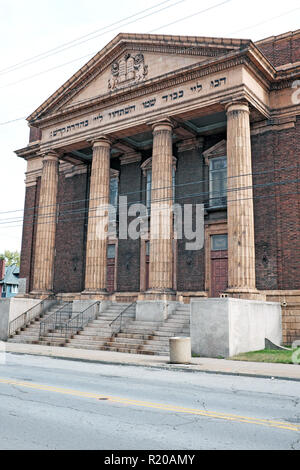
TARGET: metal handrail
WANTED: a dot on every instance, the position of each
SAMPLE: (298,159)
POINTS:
(79,321)
(56,320)
(120,316)
(31,314)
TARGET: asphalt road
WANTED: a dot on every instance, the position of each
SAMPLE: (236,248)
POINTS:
(59,404)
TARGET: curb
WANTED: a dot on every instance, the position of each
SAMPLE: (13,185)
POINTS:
(168,366)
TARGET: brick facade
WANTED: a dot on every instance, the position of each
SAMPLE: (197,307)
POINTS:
(71,233)
(280,50)
(276,208)
(128,269)
(29,233)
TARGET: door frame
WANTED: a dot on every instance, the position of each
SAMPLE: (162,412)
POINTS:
(218,227)
(114,241)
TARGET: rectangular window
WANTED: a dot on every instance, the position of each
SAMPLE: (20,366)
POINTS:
(113,197)
(218,182)
(111,251)
(149,187)
(219,242)
(148,190)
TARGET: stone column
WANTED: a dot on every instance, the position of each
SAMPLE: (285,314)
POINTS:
(46,226)
(96,247)
(241,247)
(161,227)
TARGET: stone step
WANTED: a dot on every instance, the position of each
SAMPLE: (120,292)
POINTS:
(129,350)
(82,346)
(86,339)
(137,325)
(127,340)
(89,344)
(149,332)
(22,339)
(135,335)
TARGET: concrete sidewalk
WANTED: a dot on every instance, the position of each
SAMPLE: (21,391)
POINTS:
(201,364)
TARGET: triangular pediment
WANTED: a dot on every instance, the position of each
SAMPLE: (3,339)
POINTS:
(217,150)
(132,59)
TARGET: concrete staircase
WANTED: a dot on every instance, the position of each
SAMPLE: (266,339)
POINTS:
(30,334)
(136,337)
(152,338)
(99,332)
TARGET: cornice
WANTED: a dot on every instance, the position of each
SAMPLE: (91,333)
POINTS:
(31,151)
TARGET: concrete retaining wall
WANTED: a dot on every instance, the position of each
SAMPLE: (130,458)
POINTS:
(154,310)
(226,326)
(11,309)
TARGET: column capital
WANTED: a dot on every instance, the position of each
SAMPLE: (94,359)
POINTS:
(241,105)
(163,124)
(51,155)
(101,141)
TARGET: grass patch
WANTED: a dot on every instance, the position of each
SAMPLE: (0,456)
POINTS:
(266,355)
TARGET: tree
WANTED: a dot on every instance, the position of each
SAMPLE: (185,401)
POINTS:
(11,257)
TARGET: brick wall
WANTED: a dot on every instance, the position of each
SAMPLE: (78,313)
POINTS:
(70,234)
(128,270)
(277,208)
(282,50)
(29,233)
(190,263)
(291,323)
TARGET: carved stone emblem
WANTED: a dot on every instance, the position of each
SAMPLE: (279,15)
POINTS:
(129,69)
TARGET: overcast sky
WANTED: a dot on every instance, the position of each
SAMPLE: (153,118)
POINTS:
(32,27)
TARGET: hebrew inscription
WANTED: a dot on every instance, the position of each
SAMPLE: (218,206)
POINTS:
(126,70)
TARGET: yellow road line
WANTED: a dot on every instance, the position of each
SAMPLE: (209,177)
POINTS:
(158,406)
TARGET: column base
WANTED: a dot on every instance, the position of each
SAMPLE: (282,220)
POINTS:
(42,294)
(245,293)
(158,294)
(98,294)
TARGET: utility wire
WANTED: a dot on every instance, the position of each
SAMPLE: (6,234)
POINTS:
(92,54)
(102,34)
(160,210)
(24,63)
(190,16)
(178,185)
(155,201)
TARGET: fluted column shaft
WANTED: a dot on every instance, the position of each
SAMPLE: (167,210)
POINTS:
(96,248)
(241,247)
(46,226)
(161,229)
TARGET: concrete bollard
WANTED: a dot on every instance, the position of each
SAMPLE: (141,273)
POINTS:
(180,350)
